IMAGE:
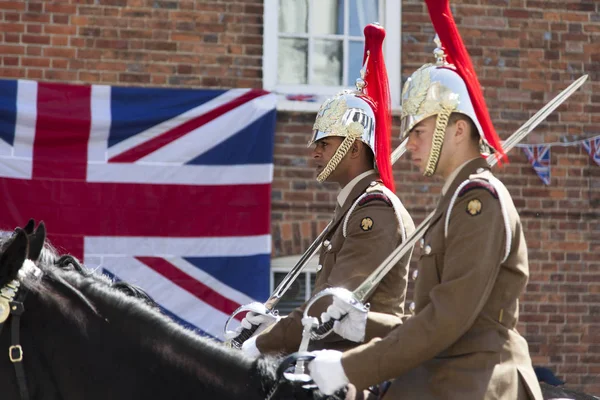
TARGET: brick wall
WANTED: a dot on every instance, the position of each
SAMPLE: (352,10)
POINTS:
(524,51)
(133,42)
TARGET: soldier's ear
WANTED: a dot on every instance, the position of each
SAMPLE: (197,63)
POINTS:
(461,131)
(355,149)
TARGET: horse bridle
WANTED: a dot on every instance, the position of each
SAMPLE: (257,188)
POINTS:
(12,297)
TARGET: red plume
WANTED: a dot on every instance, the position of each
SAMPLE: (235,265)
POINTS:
(378,89)
(445,27)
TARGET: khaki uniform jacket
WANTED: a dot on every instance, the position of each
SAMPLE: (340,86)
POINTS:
(364,231)
(462,342)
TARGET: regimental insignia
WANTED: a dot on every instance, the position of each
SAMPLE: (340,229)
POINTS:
(366,224)
(474,207)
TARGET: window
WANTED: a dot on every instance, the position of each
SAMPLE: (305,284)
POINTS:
(314,48)
(301,289)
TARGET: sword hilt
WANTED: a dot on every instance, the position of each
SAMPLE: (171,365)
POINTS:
(323,330)
(246,334)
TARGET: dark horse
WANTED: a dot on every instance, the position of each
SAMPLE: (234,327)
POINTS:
(85,337)
(82,338)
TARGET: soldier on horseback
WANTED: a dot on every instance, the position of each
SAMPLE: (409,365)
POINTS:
(351,139)
(462,341)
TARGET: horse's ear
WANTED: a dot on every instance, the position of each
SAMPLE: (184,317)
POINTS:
(13,257)
(36,242)
(29,227)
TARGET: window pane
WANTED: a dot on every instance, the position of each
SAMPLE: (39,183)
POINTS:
(328,17)
(327,63)
(355,58)
(294,297)
(292,61)
(293,16)
(363,13)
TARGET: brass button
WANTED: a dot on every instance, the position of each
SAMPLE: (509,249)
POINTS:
(415,274)
(427,249)
(373,183)
(422,242)
(411,307)
(326,243)
(319,267)
(329,247)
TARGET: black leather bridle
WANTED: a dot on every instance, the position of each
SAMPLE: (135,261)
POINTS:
(12,297)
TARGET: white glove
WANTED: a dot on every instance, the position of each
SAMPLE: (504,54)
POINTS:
(263,322)
(249,348)
(327,371)
(353,326)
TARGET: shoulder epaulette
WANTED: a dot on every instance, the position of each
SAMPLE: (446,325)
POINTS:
(374,196)
(478,184)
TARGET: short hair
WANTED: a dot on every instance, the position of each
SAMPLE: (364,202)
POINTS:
(455,117)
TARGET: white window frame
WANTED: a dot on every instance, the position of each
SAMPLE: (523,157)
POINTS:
(285,265)
(392,12)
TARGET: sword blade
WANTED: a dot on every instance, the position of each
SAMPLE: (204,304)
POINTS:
(364,290)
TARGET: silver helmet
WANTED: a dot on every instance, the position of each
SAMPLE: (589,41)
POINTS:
(349,114)
(437,89)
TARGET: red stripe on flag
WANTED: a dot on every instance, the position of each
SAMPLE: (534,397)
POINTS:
(111,209)
(156,143)
(191,285)
(62,131)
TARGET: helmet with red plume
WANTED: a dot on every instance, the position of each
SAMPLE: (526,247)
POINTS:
(362,114)
(448,86)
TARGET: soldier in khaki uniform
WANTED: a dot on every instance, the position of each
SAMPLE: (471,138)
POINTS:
(351,140)
(462,341)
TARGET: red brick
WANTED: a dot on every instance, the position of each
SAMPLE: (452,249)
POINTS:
(12,49)
(12,5)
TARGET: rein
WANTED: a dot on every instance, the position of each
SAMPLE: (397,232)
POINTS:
(12,297)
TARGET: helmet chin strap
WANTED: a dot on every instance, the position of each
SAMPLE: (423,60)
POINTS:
(441,123)
(353,133)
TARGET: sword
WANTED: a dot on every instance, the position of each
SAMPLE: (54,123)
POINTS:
(362,292)
(268,307)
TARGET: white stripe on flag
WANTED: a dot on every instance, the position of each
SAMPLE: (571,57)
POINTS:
(18,168)
(202,139)
(178,247)
(210,281)
(26,118)
(169,174)
(170,296)
(165,126)
(100,127)
(16,160)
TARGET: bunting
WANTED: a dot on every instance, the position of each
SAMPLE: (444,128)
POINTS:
(538,155)
(539,158)
(592,147)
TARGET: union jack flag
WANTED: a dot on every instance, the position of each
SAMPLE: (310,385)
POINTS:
(592,146)
(168,189)
(539,158)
